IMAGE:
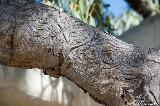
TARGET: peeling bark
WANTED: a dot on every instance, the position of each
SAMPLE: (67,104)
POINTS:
(113,72)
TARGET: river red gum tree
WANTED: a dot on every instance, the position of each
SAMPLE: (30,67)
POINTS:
(113,72)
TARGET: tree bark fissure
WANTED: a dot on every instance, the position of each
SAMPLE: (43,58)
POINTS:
(113,72)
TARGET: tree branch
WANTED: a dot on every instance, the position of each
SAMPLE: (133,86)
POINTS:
(112,72)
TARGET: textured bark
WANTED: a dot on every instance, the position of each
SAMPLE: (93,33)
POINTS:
(111,71)
(145,7)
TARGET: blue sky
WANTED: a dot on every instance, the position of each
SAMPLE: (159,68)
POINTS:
(117,7)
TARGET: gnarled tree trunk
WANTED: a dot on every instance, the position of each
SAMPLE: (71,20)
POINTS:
(113,72)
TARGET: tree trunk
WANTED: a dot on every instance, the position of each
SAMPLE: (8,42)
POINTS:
(113,72)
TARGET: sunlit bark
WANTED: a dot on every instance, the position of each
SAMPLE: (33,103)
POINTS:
(113,72)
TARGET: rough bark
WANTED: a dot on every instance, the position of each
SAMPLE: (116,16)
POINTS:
(145,7)
(111,71)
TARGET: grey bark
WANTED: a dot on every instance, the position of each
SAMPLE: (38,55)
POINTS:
(113,72)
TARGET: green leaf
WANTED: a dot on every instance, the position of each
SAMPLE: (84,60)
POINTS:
(81,6)
(92,21)
(75,13)
(107,22)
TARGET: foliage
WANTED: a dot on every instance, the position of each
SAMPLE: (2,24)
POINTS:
(89,11)
(92,12)
(127,20)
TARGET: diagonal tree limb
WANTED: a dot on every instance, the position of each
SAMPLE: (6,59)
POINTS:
(113,72)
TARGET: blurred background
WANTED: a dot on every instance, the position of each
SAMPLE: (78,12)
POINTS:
(133,21)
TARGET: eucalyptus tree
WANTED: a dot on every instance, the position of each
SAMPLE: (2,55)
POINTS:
(115,73)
